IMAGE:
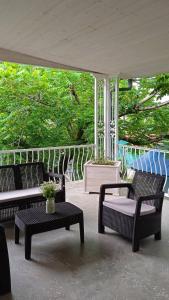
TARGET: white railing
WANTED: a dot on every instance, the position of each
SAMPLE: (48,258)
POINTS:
(68,160)
(145,159)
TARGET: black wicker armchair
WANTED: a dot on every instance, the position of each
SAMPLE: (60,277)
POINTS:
(139,214)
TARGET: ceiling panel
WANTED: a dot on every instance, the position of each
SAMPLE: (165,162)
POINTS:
(128,38)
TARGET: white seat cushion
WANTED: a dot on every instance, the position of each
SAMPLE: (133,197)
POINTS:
(20,194)
(127,206)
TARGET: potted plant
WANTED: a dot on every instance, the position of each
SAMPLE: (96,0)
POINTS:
(100,171)
(49,189)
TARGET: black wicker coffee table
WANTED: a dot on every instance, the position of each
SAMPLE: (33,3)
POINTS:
(35,220)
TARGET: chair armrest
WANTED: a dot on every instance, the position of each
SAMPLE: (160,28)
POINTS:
(141,199)
(151,197)
(115,185)
(54,176)
(103,188)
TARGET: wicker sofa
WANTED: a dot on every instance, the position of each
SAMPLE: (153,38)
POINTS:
(19,187)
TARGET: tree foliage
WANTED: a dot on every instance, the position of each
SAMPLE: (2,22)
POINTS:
(47,107)
(144,112)
(44,107)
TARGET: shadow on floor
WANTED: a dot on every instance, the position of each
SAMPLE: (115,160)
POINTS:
(66,254)
(7,297)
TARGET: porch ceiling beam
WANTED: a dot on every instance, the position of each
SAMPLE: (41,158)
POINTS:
(21,58)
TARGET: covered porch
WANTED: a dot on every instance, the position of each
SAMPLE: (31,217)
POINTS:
(110,39)
(104,268)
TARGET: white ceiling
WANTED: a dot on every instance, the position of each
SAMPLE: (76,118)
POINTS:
(126,38)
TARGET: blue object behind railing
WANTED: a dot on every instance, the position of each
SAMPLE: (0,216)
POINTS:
(153,161)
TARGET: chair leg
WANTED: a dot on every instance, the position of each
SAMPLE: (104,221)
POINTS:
(100,218)
(5,281)
(100,228)
(135,245)
(157,236)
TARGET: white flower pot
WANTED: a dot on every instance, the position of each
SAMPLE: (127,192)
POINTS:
(95,175)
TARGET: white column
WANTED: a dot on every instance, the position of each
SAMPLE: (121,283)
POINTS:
(116,112)
(107,119)
(96,116)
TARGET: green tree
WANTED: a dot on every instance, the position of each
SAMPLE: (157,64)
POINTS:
(44,107)
(144,114)
(48,107)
